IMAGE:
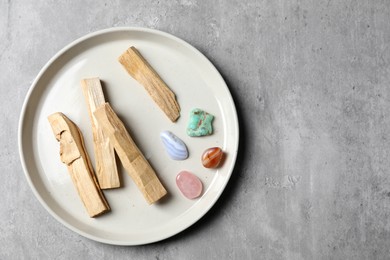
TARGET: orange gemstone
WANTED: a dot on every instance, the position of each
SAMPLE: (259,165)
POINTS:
(212,157)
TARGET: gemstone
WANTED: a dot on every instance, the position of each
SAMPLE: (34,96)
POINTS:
(174,146)
(189,184)
(212,157)
(200,123)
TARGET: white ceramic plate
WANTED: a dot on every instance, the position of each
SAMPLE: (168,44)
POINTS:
(196,83)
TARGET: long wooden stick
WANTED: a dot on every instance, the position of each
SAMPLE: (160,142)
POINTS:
(132,159)
(141,71)
(106,168)
(74,155)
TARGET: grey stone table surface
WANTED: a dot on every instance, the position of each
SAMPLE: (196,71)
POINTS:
(311,83)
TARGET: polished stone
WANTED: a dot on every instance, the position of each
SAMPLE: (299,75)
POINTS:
(189,184)
(211,158)
(174,146)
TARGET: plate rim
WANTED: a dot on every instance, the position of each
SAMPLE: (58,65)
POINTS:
(41,73)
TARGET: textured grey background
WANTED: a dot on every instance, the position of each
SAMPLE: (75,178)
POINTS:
(311,82)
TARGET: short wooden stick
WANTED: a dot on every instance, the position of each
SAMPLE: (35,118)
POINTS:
(131,157)
(106,168)
(74,155)
(142,71)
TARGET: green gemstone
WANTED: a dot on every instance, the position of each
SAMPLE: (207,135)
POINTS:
(200,123)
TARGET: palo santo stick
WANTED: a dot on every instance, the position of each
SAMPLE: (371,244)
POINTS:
(106,169)
(74,155)
(132,159)
(141,71)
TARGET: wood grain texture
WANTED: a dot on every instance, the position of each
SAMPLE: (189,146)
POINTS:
(74,155)
(140,70)
(131,157)
(106,168)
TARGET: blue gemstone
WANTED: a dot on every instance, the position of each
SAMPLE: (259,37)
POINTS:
(175,148)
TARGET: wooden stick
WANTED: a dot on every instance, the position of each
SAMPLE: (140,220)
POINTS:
(132,159)
(141,71)
(74,155)
(106,168)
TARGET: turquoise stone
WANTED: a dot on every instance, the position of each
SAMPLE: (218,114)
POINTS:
(174,146)
(200,123)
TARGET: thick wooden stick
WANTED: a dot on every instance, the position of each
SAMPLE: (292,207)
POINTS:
(132,159)
(141,71)
(74,155)
(106,168)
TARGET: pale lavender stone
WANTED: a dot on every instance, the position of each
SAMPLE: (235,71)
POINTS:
(174,146)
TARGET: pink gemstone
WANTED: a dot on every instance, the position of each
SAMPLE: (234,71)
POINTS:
(189,184)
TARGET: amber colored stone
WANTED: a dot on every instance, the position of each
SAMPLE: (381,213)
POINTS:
(212,157)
